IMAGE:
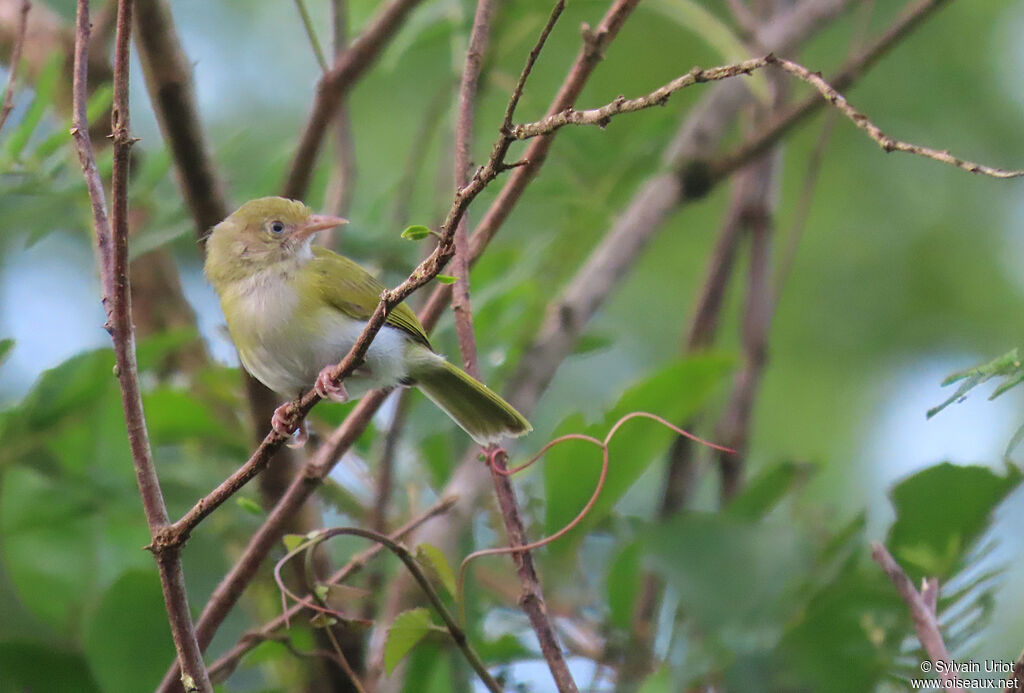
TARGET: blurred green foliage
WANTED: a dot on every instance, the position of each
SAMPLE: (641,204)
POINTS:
(904,264)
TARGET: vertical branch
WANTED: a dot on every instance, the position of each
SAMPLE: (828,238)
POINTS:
(112,247)
(338,198)
(532,597)
(734,424)
(478,40)
(19,44)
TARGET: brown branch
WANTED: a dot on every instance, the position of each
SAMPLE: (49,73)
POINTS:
(12,72)
(478,39)
(378,520)
(713,169)
(112,247)
(532,597)
(922,611)
(168,76)
(341,186)
(887,143)
(335,85)
(733,428)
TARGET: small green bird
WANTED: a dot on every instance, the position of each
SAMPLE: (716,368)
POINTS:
(294,310)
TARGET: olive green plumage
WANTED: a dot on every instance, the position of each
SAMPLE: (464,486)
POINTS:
(293,309)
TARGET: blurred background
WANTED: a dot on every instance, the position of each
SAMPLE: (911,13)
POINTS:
(906,271)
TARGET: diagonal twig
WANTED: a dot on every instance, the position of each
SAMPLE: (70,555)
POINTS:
(603,115)
(922,611)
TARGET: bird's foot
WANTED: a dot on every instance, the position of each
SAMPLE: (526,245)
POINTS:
(326,388)
(283,423)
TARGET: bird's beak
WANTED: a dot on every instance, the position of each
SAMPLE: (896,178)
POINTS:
(317,222)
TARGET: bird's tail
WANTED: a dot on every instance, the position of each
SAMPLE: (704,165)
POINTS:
(477,409)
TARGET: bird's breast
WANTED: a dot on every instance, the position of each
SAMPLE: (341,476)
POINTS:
(284,341)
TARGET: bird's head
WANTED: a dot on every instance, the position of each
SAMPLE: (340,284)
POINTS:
(260,234)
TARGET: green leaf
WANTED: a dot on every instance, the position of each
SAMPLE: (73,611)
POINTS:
(69,390)
(5,348)
(624,578)
(128,644)
(100,101)
(153,237)
(768,488)
(506,648)
(590,343)
(416,232)
(293,541)
(571,469)
(323,620)
(658,682)
(177,416)
(941,511)
(1008,365)
(446,279)
(730,573)
(49,545)
(29,666)
(250,506)
(45,88)
(851,617)
(408,628)
(436,565)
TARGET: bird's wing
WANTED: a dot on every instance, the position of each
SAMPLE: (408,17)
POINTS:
(356,293)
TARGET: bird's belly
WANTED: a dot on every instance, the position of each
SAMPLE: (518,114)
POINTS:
(384,364)
(288,363)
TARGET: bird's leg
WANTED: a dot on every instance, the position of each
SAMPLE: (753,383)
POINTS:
(326,388)
(282,422)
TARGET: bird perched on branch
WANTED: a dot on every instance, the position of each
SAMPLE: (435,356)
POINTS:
(294,310)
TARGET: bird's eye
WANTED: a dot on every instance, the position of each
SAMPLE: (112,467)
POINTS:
(277,227)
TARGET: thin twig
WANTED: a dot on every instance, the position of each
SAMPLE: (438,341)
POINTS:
(314,42)
(713,170)
(887,143)
(532,598)
(12,72)
(925,623)
(336,83)
(603,115)
(378,520)
(458,635)
(168,76)
(227,663)
(478,39)
(659,97)
(112,247)
(341,186)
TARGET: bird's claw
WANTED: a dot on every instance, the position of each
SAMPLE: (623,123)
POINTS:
(282,423)
(326,388)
